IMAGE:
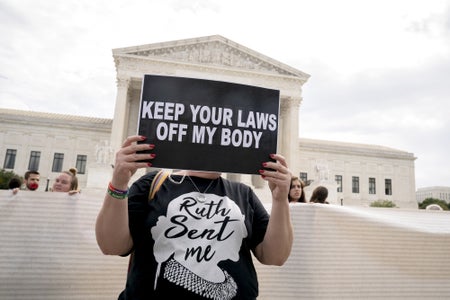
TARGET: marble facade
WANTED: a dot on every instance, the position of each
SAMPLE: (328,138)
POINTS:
(214,58)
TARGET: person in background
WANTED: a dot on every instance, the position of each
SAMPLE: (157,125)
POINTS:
(67,182)
(319,195)
(195,238)
(31,182)
(296,193)
(14,184)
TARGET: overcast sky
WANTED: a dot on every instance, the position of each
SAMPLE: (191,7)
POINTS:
(380,69)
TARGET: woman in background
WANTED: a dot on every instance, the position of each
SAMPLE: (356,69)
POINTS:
(319,195)
(66,182)
(296,193)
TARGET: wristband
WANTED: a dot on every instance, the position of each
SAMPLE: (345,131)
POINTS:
(116,193)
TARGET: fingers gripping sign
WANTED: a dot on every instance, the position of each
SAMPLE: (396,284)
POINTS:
(128,160)
(278,176)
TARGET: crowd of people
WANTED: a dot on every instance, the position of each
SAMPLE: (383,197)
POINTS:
(66,181)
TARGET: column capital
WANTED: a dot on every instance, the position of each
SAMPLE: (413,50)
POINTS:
(123,82)
(287,103)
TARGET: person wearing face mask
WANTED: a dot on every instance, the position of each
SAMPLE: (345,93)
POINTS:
(31,180)
(67,182)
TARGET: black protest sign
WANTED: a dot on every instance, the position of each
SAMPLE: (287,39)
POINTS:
(208,125)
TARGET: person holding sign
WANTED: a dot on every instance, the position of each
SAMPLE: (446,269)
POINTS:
(193,239)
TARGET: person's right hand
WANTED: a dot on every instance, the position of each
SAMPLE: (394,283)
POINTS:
(127,161)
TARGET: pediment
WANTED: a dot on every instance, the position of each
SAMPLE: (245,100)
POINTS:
(212,51)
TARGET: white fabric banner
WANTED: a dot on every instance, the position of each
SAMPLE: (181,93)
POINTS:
(363,253)
(48,251)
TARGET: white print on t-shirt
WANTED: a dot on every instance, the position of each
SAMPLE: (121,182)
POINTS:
(200,235)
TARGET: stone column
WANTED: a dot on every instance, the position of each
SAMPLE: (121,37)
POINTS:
(295,158)
(120,112)
(288,135)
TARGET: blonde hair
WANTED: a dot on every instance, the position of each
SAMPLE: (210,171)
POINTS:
(74,179)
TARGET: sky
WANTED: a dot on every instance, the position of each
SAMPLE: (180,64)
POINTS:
(380,69)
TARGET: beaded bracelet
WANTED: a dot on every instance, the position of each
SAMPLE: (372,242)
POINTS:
(116,193)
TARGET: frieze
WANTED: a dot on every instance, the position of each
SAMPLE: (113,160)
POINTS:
(134,66)
(214,53)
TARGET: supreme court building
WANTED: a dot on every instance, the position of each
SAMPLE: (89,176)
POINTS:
(355,174)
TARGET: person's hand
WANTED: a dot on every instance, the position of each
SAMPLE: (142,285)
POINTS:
(127,161)
(278,176)
(73,192)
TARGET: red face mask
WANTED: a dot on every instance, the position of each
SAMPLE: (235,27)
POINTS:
(33,186)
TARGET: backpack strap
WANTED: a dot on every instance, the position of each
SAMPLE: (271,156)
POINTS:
(159,179)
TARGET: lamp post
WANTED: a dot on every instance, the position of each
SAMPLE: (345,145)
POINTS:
(46,187)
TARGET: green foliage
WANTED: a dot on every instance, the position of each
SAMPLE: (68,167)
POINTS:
(429,201)
(5,176)
(383,203)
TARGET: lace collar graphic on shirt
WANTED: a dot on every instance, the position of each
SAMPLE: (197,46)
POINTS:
(181,276)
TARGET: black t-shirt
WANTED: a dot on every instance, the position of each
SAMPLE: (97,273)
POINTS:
(194,245)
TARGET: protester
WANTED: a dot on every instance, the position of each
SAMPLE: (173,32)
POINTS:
(319,195)
(296,192)
(31,180)
(67,182)
(14,184)
(194,239)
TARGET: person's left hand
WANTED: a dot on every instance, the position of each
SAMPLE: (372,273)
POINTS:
(278,176)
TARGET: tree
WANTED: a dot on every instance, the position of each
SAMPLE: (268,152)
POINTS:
(383,203)
(5,177)
(428,201)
